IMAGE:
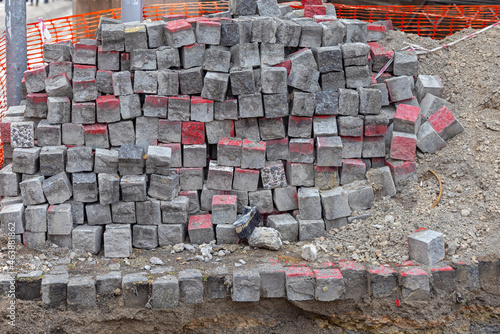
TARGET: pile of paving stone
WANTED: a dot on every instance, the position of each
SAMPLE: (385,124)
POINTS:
(160,130)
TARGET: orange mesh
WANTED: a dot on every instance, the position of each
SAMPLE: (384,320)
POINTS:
(433,21)
(424,21)
(474,12)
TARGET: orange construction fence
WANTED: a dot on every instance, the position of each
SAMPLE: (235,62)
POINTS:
(432,21)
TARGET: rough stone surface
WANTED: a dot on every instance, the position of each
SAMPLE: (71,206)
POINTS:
(246,286)
(426,247)
(265,237)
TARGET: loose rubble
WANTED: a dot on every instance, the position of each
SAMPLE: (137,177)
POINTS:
(309,252)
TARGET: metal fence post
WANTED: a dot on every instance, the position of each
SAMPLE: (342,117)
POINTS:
(16,49)
(131,10)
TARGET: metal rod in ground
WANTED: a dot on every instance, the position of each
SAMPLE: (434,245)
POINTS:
(16,49)
(131,10)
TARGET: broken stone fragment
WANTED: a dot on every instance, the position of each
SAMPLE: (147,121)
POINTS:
(309,252)
(265,237)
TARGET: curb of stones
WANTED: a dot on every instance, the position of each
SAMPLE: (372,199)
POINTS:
(327,282)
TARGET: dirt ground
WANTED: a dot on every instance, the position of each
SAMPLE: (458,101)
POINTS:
(468,213)
(268,316)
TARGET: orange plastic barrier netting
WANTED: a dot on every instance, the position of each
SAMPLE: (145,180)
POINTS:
(433,21)
(421,23)
(476,12)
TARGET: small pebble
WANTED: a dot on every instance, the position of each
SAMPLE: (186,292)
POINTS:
(189,247)
(178,248)
(156,261)
(309,252)
(465,212)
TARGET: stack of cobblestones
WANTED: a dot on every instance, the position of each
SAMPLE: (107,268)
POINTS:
(160,130)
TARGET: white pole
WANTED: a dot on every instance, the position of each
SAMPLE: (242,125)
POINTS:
(131,10)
